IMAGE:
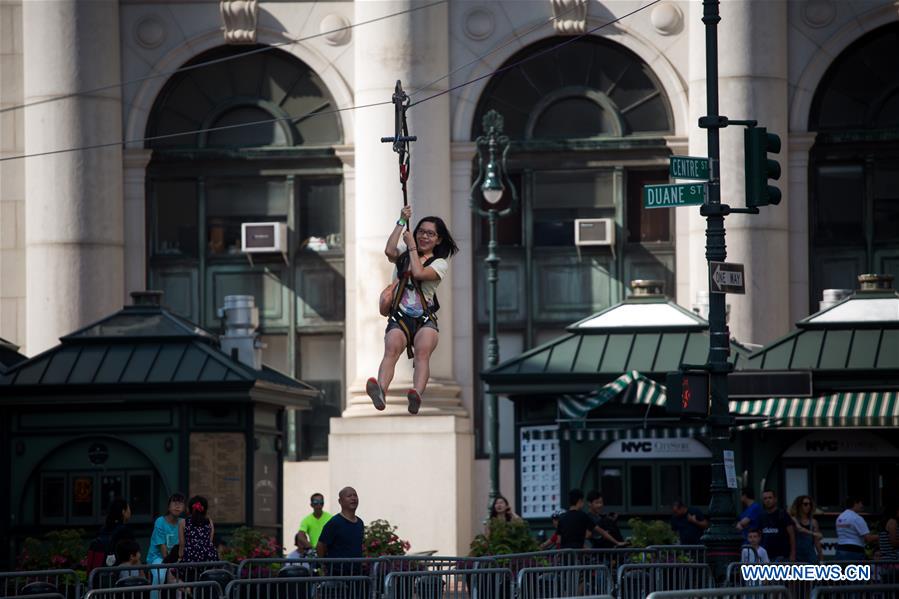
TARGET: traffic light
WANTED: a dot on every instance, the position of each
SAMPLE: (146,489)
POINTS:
(687,393)
(758,143)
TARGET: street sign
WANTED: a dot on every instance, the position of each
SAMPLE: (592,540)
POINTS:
(689,167)
(727,277)
(674,195)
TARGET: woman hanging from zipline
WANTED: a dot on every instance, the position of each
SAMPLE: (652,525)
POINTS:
(410,303)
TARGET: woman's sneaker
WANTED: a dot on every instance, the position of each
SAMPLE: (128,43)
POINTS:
(375,393)
(414,401)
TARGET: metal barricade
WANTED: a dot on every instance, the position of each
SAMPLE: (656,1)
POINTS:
(251,569)
(477,583)
(422,563)
(857,591)
(665,554)
(181,590)
(536,559)
(64,582)
(107,576)
(799,589)
(301,587)
(611,558)
(766,592)
(882,571)
(639,580)
(563,581)
(37,596)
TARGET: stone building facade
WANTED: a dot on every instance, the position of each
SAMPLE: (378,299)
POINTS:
(145,205)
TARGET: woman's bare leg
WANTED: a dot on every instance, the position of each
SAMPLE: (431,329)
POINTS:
(425,344)
(394,344)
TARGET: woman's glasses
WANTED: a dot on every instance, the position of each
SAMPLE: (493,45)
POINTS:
(426,233)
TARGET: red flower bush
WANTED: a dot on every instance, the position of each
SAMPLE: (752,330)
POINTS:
(381,539)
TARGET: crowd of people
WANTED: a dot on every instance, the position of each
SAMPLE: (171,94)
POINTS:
(794,535)
(770,532)
(186,533)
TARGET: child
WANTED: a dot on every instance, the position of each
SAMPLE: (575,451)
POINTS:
(755,553)
(127,553)
(195,533)
(554,541)
(165,536)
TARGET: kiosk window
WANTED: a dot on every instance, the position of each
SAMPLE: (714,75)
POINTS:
(641,486)
(610,482)
(858,481)
(82,494)
(53,493)
(827,486)
(650,486)
(670,484)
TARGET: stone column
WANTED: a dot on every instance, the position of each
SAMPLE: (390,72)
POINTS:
(428,456)
(798,146)
(752,85)
(135,221)
(73,200)
(412,48)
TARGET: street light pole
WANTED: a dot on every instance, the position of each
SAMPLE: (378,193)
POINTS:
(492,181)
(722,541)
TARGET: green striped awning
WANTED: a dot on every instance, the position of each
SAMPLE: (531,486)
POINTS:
(612,433)
(875,409)
(633,387)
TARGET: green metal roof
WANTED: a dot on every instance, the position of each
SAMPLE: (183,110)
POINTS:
(9,355)
(138,349)
(859,333)
(607,344)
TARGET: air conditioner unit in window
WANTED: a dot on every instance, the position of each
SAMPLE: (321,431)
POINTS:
(594,231)
(263,238)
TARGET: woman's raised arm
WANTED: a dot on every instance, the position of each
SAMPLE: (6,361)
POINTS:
(390,250)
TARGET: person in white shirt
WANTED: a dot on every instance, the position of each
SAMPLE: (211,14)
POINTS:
(754,553)
(852,532)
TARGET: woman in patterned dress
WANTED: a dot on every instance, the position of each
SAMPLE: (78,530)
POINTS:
(195,533)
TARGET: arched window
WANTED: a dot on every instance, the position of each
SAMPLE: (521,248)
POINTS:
(854,165)
(265,99)
(588,120)
(249,138)
(587,88)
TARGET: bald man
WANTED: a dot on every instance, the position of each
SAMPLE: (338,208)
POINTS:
(342,535)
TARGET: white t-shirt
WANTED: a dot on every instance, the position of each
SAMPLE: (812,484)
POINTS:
(410,302)
(759,556)
(851,529)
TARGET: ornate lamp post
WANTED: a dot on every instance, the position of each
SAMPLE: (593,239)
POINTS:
(492,181)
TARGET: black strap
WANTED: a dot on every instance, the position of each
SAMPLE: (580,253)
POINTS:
(401,138)
(402,266)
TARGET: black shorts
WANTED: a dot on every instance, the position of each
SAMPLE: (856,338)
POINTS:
(414,324)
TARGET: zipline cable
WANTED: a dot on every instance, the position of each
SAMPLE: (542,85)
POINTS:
(215,61)
(336,110)
(533,56)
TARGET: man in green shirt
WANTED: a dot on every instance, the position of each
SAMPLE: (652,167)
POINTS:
(312,525)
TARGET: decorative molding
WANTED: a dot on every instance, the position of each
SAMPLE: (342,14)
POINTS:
(819,13)
(150,32)
(136,159)
(336,29)
(480,23)
(239,18)
(569,16)
(667,18)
